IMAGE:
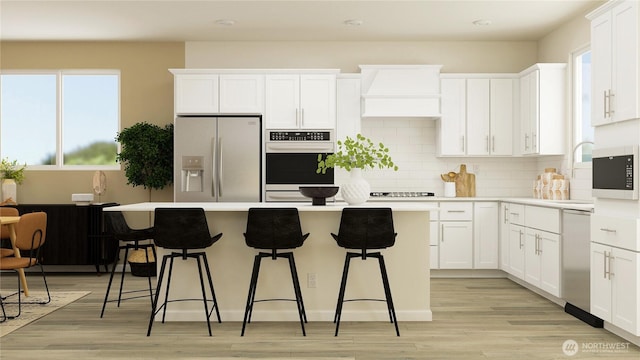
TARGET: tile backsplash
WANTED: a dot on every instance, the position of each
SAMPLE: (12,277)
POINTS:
(412,144)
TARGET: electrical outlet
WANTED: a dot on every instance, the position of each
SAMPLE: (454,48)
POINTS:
(311,280)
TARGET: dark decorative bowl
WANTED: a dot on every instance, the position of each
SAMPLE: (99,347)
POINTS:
(319,194)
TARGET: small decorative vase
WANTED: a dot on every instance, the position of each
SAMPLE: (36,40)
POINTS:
(356,191)
(9,190)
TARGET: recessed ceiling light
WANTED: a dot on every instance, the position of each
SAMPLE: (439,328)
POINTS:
(353,22)
(482,22)
(226,22)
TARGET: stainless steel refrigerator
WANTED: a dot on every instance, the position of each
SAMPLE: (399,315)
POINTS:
(217,159)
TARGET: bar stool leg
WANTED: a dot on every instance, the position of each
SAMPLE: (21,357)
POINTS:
(387,292)
(124,268)
(166,296)
(213,292)
(158,288)
(343,285)
(204,293)
(106,296)
(252,292)
(296,290)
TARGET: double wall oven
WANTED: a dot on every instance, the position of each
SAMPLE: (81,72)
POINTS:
(291,160)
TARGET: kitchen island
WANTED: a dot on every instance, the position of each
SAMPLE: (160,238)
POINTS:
(319,262)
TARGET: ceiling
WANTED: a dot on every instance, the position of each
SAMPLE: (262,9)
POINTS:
(303,20)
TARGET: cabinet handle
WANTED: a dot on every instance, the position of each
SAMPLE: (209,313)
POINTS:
(515,214)
(456,211)
(526,141)
(302,116)
(534,148)
(604,262)
(608,230)
(611,110)
(605,99)
(297,118)
(607,259)
(506,220)
(520,238)
(486,140)
(493,144)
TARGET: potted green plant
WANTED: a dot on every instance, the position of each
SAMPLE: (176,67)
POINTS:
(147,155)
(355,155)
(11,174)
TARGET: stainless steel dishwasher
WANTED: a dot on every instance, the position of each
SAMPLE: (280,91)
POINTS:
(576,264)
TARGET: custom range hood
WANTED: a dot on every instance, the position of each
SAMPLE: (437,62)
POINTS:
(400,91)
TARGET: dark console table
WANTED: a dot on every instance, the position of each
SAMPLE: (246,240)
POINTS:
(75,234)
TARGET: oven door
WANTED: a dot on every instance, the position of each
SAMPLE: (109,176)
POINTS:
(286,169)
(289,166)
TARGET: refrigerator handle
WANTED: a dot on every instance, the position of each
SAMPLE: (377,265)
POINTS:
(219,172)
(213,166)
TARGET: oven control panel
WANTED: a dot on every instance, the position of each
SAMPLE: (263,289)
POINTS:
(299,136)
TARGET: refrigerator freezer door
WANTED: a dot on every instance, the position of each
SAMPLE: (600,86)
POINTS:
(195,141)
(238,151)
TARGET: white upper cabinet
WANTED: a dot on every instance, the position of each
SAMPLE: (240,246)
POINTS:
(477,116)
(296,101)
(196,94)
(615,42)
(241,93)
(542,109)
(452,125)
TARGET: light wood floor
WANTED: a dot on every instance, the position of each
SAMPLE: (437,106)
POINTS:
(473,319)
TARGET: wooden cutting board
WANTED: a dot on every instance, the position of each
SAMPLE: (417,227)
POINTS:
(465,183)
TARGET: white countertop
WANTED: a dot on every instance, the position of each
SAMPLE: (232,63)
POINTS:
(558,204)
(244,206)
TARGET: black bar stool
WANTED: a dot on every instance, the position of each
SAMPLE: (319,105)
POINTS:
(274,229)
(183,229)
(366,229)
(116,228)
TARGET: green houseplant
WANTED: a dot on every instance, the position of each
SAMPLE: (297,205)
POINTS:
(11,174)
(355,155)
(11,170)
(358,153)
(147,155)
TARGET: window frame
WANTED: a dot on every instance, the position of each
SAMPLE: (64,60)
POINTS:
(59,73)
(576,108)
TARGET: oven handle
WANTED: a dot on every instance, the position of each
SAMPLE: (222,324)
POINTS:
(307,147)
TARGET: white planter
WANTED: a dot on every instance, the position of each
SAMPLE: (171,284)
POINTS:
(9,190)
(356,190)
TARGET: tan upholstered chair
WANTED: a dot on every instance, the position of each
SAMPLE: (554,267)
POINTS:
(4,229)
(31,233)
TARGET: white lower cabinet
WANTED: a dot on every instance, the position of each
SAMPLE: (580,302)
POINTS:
(456,245)
(434,239)
(516,250)
(485,235)
(542,260)
(504,236)
(456,235)
(615,292)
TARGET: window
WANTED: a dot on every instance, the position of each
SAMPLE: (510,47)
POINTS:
(583,131)
(60,119)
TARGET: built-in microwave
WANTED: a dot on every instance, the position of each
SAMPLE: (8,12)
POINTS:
(615,173)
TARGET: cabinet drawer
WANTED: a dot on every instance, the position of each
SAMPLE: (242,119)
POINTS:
(516,214)
(456,211)
(542,218)
(618,232)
